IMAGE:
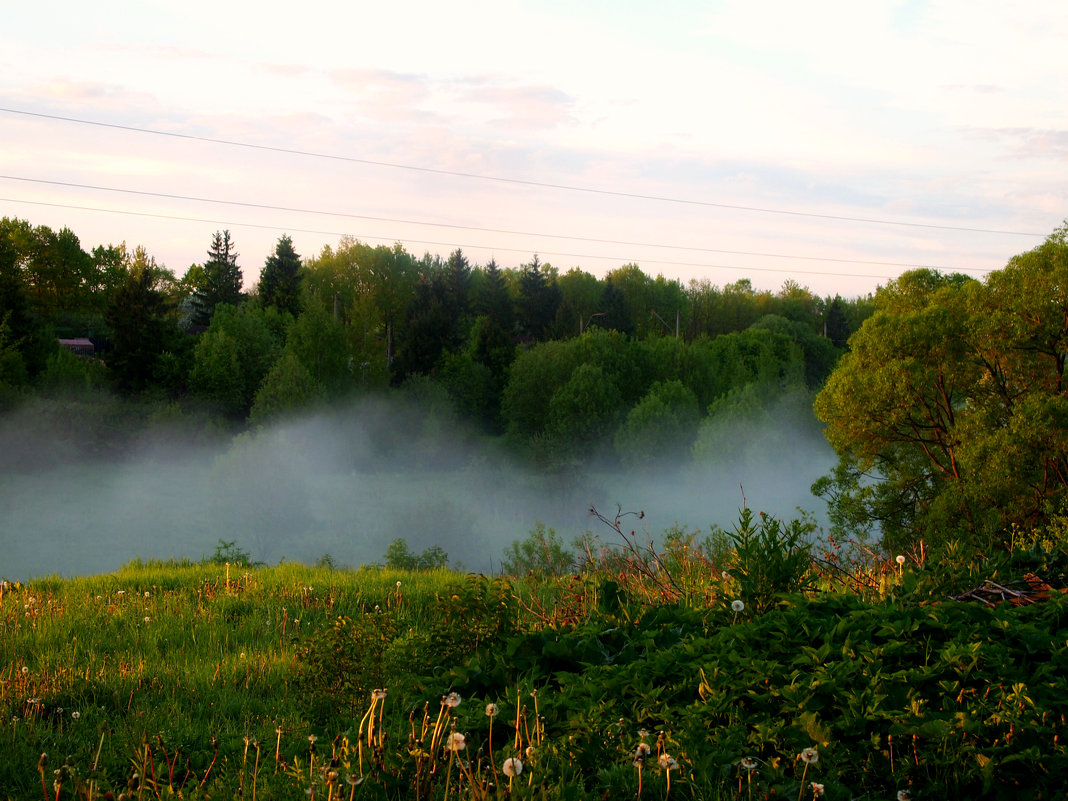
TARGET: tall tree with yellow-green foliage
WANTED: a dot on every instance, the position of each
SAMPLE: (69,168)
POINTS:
(950,412)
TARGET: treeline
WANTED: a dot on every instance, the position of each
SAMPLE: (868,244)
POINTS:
(561,363)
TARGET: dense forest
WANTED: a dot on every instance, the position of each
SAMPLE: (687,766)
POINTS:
(943,396)
(563,366)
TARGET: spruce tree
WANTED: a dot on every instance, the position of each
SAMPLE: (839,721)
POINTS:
(280,279)
(222,276)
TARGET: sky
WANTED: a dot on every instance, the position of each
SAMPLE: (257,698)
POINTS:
(835,144)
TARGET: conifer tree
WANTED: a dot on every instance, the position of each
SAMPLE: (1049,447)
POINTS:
(222,276)
(280,279)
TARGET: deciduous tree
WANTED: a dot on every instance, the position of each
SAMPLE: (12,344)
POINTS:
(950,413)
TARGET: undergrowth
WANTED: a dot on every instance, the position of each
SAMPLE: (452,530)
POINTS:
(749,663)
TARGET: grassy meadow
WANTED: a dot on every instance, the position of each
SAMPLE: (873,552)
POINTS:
(689,673)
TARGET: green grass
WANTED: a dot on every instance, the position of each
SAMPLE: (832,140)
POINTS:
(208,681)
(183,653)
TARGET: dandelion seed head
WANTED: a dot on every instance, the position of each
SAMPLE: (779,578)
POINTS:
(748,764)
(903,795)
(312,738)
(25,670)
(456,742)
(530,752)
(738,606)
(75,714)
(810,756)
(378,695)
(900,559)
(451,700)
(512,767)
(491,710)
(817,789)
(666,761)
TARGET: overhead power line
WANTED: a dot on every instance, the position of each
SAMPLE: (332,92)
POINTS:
(620,259)
(454,226)
(515,181)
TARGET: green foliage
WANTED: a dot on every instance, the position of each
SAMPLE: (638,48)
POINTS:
(470,384)
(343,663)
(66,373)
(287,388)
(749,421)
(229,552)
(233,356)
(950,405)
(769,558)
(208,685)
(399,556)
(279,284)
(836,325)
(318,341)
(819,353)
(538,299)
(13,375)
(541,553)
(22,332)
(221,277)
(535,375)
(754,356)
(585,408)
(661,427)
(141,331)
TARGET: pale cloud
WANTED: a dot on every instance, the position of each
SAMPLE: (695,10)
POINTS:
(65,89)
(464,102)
(519,106)
(286,70)
(1030,143)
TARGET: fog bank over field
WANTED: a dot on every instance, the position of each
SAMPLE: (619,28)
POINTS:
(348,483)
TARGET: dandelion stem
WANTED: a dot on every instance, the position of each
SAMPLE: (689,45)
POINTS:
(255,770)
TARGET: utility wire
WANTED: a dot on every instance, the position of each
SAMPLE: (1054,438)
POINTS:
(243,204)
(516,181)
(229,223)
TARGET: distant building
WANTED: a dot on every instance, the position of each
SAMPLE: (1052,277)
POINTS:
(82,346)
